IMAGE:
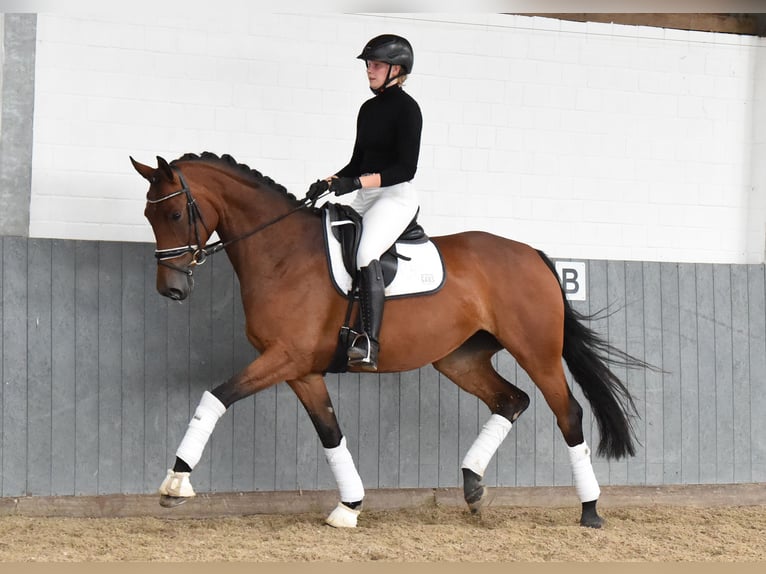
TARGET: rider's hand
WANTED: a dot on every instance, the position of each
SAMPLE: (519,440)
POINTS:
(344,185)
(317,188)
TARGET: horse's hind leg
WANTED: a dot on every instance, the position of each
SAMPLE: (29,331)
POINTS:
(550,379)
(470,367)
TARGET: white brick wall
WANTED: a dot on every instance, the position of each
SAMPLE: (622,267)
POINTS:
(586,140)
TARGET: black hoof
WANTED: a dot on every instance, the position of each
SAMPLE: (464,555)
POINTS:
(590,517)
(172,501)
(473,490)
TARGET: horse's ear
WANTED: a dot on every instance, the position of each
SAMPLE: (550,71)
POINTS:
(144,170)
(164,168)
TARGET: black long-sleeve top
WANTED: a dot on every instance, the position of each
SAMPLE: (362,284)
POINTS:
(387,138)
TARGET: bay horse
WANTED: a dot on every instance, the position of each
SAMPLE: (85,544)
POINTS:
(497,294)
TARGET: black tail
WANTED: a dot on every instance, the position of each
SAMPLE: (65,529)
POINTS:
(588,357)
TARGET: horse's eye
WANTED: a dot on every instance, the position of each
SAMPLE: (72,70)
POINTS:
(176,216)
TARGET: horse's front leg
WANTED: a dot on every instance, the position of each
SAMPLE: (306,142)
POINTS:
(312,392)
(272,367)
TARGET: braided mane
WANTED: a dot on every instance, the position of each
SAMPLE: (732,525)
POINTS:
(229,161)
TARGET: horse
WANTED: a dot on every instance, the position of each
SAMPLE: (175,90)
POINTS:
(497,294)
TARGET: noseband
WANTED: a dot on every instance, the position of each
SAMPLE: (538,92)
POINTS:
(200,253)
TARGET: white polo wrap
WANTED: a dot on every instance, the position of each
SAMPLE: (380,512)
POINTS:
(582,469)
(201,426)
(490,438)
(344,470)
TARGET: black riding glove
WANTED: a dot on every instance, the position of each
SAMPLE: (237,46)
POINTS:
(344,185)
(316,189)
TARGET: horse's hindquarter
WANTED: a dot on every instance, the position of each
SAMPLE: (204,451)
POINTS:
(492,284)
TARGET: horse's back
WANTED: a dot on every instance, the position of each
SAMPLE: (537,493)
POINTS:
(504,272)
(484,248)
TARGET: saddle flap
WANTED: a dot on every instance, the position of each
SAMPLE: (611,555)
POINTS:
(343,230)
(346,225)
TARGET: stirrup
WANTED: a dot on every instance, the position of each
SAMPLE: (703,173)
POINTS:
(362,355)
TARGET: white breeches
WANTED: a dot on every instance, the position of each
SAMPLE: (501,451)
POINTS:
(386,212)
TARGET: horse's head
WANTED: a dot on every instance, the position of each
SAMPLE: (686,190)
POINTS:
(179,227)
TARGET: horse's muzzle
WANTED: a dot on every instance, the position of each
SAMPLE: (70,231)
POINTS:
(175,286)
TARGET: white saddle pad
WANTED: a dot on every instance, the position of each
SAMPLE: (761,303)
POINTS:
(422,273)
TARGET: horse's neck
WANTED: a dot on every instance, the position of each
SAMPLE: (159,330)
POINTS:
(266,232)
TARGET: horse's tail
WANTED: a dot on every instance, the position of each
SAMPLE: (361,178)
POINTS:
(588,357)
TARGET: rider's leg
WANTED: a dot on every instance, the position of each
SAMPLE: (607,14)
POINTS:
(364,350)
(386,212)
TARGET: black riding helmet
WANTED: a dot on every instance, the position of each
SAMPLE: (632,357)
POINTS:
(392,49)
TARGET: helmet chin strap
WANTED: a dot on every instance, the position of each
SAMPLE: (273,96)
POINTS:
(387,81)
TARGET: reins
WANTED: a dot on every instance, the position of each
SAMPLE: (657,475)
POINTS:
(200,254)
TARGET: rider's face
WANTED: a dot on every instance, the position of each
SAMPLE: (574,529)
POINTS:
(377,73)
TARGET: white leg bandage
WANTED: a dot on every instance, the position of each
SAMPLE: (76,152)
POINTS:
(490,438)
(343,469)
(203,422)
(584,477)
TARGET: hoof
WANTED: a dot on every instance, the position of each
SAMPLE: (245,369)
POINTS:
(175,489)
(590,518)
(476,505)
(172,501)
(474,491)
(342,517)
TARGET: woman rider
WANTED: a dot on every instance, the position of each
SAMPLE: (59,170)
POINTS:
(382,165)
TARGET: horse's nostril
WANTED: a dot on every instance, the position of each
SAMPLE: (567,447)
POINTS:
(175,294)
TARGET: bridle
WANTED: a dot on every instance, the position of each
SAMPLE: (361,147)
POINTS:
(199,252)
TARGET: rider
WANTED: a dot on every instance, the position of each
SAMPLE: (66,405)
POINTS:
(382,165)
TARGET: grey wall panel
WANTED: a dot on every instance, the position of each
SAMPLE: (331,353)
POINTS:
(63,371)
(740,342)
(723,374)
(688,373)
(39,363)
(428,427)
(132,369)
(671,380)
(101,375)
(409,429)
(636,378)
(86,368)
(388,430)
(757,369)
(109,392)
(653,392)
(706,383)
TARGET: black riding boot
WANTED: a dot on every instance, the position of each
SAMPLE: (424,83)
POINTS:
(364,350)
